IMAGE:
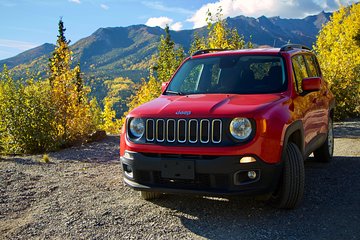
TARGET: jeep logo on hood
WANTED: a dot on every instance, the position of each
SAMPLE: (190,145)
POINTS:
(183,113)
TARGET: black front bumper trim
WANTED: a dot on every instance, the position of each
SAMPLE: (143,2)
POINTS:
(222,175)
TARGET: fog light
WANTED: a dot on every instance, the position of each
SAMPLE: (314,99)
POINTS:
(247,160)
(128,171)
(252,174)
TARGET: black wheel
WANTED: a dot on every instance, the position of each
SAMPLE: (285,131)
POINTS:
(291,187)
(149,195)
(325,152)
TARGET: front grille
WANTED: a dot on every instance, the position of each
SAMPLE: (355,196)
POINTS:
(190,131)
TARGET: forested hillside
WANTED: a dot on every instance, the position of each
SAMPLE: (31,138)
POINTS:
(125,51)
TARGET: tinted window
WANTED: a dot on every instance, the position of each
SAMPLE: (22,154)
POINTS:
(300,71)
(230,74)
(312,66)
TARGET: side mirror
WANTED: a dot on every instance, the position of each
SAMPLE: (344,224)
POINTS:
(311,84)
(164,86)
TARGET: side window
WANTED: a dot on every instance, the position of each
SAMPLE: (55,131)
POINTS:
(312,66)
(300,71)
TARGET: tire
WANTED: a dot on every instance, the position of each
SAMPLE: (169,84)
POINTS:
(149,195)
(325,152)
(291,187)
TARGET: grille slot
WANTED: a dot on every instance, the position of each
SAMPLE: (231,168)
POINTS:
(184,131)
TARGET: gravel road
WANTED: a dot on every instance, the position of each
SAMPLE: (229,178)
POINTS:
(80,195)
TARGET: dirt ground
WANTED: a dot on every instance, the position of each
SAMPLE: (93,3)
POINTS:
(80,195)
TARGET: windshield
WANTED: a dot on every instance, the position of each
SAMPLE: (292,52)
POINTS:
(237,74)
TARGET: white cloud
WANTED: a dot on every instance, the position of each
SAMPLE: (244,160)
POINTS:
(161,7)
(176,26)
(159,22)
(75,1)
(162,22)
(104,6)
(269,8)
(20,45)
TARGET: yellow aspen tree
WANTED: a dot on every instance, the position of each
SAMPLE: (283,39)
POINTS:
(110,125)
(339,57)
(69,95)
(220,36)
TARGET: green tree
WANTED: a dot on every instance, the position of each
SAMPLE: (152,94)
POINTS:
(27,117)
(79,83)
(110,123)
(197,43)
(61,57)
(41,115)
(339,57)
(166,62)
(168,59)
(96,114)
(68,94)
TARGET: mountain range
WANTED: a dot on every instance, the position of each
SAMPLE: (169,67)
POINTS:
(126,51)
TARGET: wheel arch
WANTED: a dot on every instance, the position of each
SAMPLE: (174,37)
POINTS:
(295,134)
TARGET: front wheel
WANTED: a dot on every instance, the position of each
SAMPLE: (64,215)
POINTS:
(291,187)
(325,152)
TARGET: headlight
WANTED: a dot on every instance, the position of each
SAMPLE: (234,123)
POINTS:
(240,128)
(137,127)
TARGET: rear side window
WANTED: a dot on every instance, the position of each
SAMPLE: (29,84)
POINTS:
(312,66)
(300,71)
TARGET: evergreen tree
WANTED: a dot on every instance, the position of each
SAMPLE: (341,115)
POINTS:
(169,57)
(198,43)
(69,96)
(166,63)
(79,83)
(37,115)
(61,57)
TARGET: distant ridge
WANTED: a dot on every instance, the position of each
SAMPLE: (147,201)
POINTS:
(126,51)
(28,56)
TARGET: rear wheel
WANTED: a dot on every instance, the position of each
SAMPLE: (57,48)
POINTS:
(325,152)
(291,187)
(149,195)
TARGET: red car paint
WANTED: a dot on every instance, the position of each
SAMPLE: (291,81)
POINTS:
(295,115)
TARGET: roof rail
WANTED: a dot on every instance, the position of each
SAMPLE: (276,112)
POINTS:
(288,47)
(203,51)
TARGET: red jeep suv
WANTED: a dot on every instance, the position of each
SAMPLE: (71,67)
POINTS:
(232,122)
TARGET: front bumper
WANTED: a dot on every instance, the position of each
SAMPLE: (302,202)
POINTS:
(203,175)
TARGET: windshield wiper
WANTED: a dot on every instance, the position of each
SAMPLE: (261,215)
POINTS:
(174,92)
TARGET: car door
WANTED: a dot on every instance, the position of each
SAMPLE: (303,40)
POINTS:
(304,103)
(320,113)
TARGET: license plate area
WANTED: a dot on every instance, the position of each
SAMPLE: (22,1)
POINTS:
(177,169)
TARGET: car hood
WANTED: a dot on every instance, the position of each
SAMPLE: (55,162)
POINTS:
(206,105)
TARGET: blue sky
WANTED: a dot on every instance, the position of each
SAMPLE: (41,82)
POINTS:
(25,24)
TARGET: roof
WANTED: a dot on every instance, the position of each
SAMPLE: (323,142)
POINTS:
(255,51)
